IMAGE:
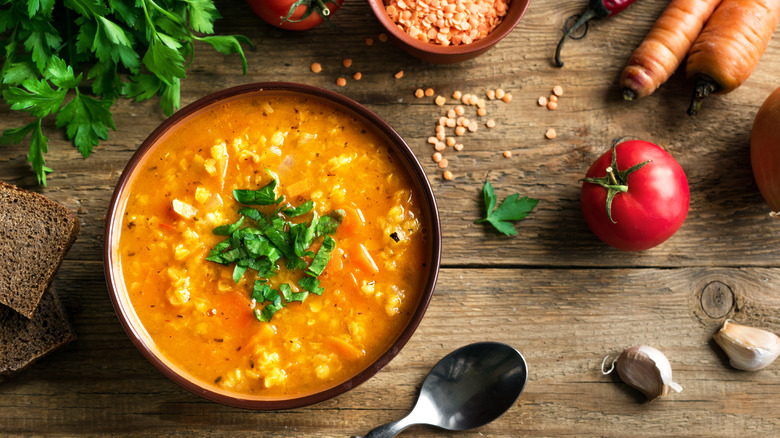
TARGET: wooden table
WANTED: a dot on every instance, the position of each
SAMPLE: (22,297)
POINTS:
(555,291)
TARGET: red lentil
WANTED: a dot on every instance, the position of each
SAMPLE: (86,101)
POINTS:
(419,93)
(450,141)
(448,175)
(552,106)
(457,95)
(357,76)
(429,92)
(369,41)
(316,67)
(459,110)
(499,93)
(399,75)
(491,94)
(458,147)
(440,100)
(558,90)
(341,82)
(490,123)
(443,163)
(507,98)
(481,112)
(347,62)
(447,22)
(550,134)
(440,146)
(382,37)
(542,101)
(507,154)
(436,157)
(460,130)
(553,98)
(451,122)
(473,126)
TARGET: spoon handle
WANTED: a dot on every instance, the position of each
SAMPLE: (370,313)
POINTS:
(389,430)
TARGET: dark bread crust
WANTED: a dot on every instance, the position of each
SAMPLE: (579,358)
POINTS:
(35,235)
(23,341)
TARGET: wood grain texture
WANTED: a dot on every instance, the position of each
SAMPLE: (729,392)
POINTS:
(554,291)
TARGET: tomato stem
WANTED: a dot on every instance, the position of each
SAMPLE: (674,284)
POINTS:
(615,181)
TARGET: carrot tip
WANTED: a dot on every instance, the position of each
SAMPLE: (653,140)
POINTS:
(629,94)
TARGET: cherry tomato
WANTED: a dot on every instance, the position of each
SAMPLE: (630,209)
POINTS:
(765,150)
(295,14)
(635,196)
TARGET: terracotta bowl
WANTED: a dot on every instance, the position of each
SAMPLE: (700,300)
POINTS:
(439,54)
(130,320)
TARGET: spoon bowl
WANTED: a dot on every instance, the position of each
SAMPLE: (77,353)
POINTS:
(468,388)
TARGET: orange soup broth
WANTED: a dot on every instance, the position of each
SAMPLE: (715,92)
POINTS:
(200,319)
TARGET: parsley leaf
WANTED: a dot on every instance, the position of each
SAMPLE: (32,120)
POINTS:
(87,121)
(513,208)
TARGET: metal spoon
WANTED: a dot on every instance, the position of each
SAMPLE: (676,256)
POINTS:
(468,388)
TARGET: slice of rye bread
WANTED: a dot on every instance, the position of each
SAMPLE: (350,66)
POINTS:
(35,234)
(23,341)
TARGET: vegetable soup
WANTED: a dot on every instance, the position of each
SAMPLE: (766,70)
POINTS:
(273,245)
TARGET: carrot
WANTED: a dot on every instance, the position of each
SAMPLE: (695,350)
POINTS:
(363,259)
(353,221)
(665,46)
(298,188)
(728,49)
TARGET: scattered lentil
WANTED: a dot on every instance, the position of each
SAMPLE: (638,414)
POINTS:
(440,136)
(458,147)
(490,123)
(450,141)
(457,94)
(341,82)
(429,92)
(440,100)
(542,101)
(460,130)
(459,110)
(552,106)
(382,37)
(465,99)
(451,122)
(442,121)
(347,62)
(399,75)
(491,94)
(432,140)
(507,154)
(480,103)
(550,134)
(439,128)
(553,98)
(357,76)
(499,93)
(473,99)
(481,112)
(473,126)
(507,98)
(436,157)
(447,175)
(443,163)
(558,90)
(451,113)
(419,93)
(369,41)
(316,67)
(440,146)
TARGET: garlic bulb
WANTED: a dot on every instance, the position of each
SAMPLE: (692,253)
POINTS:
(748,348)
(646,369)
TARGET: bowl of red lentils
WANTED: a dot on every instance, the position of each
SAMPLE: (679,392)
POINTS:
(448,31)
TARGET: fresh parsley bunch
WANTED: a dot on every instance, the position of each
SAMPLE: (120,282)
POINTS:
(73,59)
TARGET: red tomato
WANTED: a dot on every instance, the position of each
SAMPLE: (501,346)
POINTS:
(765,150)
(306,15)
(649,196)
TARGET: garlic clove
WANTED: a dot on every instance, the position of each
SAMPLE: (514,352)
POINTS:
(648,370)
(748,348)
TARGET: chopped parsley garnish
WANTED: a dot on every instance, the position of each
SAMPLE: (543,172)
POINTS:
(259,241)
(512,209)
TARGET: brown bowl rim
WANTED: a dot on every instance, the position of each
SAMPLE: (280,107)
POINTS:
(496,35)
(412,165)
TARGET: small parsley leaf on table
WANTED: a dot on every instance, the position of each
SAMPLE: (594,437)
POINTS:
(513,208)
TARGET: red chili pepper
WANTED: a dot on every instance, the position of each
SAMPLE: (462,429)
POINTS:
(596,9)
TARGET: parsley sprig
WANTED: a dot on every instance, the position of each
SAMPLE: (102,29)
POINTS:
(73,59)
(513,208)
(273,237)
